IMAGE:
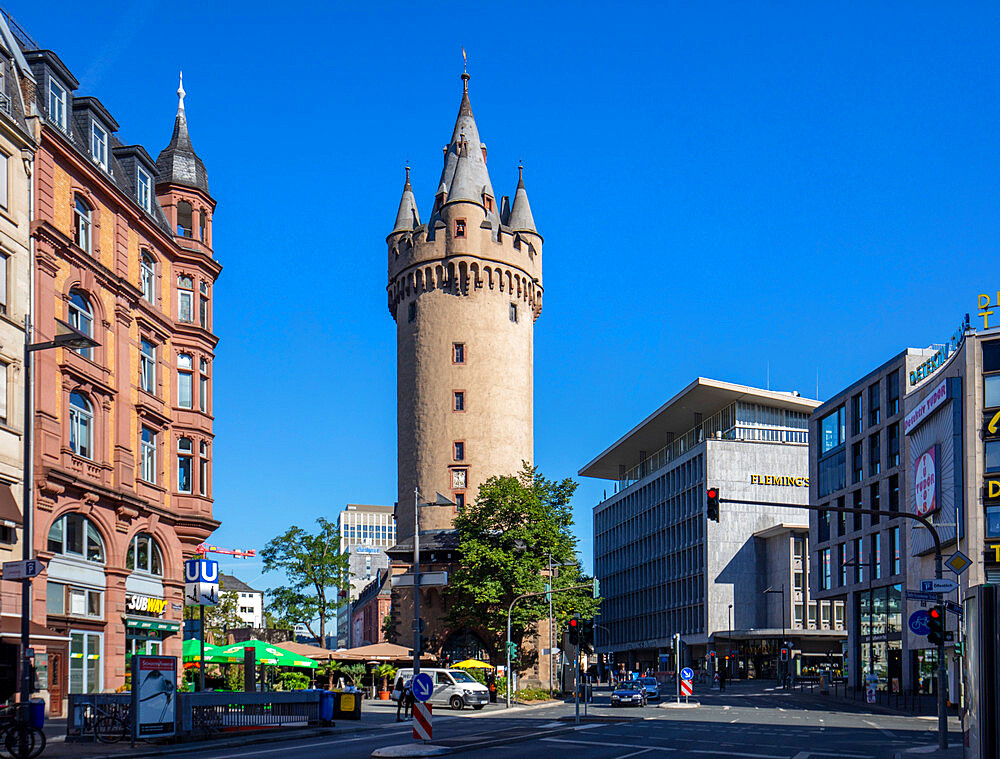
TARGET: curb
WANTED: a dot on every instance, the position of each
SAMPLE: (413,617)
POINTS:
(270,737)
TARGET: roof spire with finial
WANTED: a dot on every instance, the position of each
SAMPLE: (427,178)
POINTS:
(178,163)
(407,217)
(520,219)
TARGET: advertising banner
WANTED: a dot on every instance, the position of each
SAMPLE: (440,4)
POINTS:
(925,483)
(154,695)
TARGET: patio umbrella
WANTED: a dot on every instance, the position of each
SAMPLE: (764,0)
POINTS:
(265,653)
(192,651)
(473,664)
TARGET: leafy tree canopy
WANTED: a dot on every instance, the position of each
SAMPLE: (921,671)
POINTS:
(505,540)
(218,618)
(314,567)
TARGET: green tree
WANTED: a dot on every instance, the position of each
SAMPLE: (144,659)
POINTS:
(220,618)
(505,538)
(314,568)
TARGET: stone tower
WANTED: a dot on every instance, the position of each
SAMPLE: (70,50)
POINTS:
(465,288)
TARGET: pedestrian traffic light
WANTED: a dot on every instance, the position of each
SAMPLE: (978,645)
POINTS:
(712,504)
(574,630)
(935,625)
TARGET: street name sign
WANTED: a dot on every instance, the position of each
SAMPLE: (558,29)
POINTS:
(22,570)
(423,686)
(917,595)
(955,608)
(938,586)
(427,579)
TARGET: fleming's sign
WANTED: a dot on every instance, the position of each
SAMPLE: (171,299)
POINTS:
(780,481)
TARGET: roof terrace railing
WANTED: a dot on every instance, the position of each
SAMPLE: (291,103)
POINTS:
(737,421)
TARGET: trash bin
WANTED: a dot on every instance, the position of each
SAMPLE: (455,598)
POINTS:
(326,699)
(36,713)
(346,705)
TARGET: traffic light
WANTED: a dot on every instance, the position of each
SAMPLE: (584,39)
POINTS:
(574,630)
(587,631)
(512,649)
(597,588)
(784,654)
(424,645)
(712,504)
(959,649)
(935,625)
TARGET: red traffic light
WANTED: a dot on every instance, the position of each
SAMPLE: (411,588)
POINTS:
(713,493)
(934,613)
(574,624)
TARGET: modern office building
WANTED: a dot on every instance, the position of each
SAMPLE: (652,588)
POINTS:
(366,532)
(123,431)
(665,568)
(249,602)
(857,460)
(940,460)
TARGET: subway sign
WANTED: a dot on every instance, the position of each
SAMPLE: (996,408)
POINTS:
(136,602)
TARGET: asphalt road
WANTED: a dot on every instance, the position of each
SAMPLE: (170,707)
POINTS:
(750,721)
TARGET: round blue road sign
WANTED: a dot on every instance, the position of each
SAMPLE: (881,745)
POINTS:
(423,686)
(920,622)
(687,674)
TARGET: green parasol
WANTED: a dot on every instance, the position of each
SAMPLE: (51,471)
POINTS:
(192,651)
(265,653)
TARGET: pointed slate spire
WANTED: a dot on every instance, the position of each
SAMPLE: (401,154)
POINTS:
(407,217)
(178,163)
(521,219)
(466,147)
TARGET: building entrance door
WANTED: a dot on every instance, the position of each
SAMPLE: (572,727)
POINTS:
(56,674)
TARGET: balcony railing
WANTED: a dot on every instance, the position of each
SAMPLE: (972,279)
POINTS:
(738,421)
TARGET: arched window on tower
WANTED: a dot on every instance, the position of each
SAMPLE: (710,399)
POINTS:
(203,226)
(184,222)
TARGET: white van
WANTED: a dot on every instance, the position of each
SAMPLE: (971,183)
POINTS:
(454,687)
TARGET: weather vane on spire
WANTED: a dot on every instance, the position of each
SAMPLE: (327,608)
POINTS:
(180,91)
(465,61)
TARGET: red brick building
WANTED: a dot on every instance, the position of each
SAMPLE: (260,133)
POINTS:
(124,442)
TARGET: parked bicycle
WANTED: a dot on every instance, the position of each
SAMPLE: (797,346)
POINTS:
(109,722)
(19,739)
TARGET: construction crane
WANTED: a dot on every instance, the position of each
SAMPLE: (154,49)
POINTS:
(203,548)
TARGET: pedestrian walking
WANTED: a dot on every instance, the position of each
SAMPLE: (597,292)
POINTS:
(722,680)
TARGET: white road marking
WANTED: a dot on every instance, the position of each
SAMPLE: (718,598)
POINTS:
(634,753)
(882,730)
(615,745)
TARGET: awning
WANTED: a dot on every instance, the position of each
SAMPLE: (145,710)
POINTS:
(148,623)
(10,514)
(10,627)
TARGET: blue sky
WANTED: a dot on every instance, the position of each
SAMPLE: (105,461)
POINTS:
(722,187)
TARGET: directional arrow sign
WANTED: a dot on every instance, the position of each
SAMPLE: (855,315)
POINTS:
(423,686)
(938,586)
(21,570)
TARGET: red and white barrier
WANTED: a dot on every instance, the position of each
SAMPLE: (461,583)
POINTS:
(686,688)
(421,721)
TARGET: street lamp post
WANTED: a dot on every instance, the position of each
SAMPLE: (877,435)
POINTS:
(782,591)
(441,501)
(66,336)
(729,645)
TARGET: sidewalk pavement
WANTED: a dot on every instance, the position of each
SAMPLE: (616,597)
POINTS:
(374,714)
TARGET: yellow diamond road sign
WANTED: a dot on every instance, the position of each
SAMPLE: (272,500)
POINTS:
(958,562)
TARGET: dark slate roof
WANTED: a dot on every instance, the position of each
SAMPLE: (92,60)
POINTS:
(121,163)
(231,583)
(178,163)
(431,541)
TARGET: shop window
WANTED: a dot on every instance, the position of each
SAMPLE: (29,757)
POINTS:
(144,555)
(75,535)
(85,666)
